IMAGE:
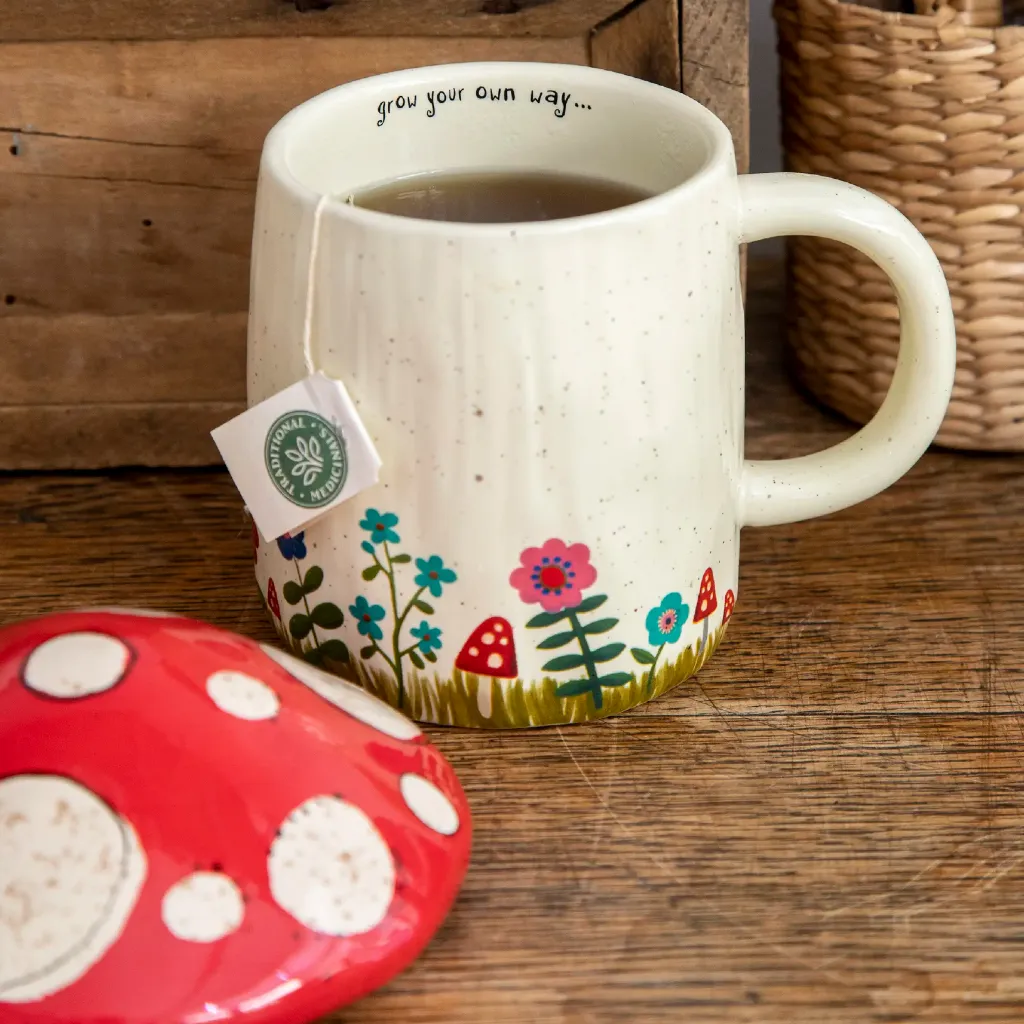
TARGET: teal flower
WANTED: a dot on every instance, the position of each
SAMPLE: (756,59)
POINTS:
(429,637)
(380,526)
(367,616)
(665,623)
(432,574)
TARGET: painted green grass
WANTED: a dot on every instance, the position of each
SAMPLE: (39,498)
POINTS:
(469,700)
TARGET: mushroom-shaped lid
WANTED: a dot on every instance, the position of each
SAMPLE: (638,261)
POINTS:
(196,828)
(707,600)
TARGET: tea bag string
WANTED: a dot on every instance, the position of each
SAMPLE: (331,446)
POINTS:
(307,320)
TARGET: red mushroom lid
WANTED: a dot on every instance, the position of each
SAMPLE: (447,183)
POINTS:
(194,828)
(707,601)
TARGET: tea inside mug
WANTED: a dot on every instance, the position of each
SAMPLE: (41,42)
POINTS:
(497,197)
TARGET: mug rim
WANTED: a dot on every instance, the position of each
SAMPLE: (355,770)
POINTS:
(274,158)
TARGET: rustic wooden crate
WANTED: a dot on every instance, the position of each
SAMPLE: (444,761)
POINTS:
(131,136)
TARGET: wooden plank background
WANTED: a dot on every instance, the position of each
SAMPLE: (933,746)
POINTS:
(127,172)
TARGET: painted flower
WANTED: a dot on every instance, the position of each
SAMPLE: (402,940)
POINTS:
(272,601)
(554,575)
(665,623)
(292,547)
(429,637)
(380,526)
(432,574)
(367,616)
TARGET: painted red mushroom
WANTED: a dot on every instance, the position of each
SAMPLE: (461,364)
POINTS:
(728,604)
(707,602)
(490,652)
(196,828)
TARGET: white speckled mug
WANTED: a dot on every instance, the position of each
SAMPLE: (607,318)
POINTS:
(558,404)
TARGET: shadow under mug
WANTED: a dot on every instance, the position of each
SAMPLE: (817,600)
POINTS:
(559,404)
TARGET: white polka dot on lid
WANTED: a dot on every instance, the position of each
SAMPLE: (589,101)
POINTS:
(429,804)
(331,869)
(71,870)
(203,907)
(242,696)
(352,699)
(76,665)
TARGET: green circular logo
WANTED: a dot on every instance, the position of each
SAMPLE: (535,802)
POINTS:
(306,459)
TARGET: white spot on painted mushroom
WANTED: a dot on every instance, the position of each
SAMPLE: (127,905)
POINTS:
(241,695)
(499,627)
(494,660)
(350,698)
(429,804)
(71,871)
(474,652)
(203,907)
(331,869)
(503,641)
(76,665)
(487,639)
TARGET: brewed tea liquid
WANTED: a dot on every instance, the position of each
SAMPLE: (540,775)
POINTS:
(498,197)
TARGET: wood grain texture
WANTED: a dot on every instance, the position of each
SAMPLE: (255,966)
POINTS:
(49,20)
(716,63)
(826,825)
(642,42)
(99,435)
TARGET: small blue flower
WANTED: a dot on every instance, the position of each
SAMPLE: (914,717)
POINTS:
(292,547)
(432,573)
(367,616)
(380,526)
(665,623)
(429,637)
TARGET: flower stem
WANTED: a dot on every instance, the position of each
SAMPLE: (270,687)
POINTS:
(312,628)
(654,665)
(396,665)
(588,657)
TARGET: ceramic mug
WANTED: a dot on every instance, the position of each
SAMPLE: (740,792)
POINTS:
(558,405)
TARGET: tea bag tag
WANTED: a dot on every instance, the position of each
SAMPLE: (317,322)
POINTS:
(298,454)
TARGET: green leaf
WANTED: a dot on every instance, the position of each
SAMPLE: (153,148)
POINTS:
(616,679)
(335,650)
(299,626)
(608,652)
(401,559)
(314,656)
(556,640)
(415,658)
(367,652)
(370,572)
(564,662)
(423,606)
(313,579)
(327,615)
(430,656)
(601,626)
(641,657)
(292,592)
(575,688)
(589,604)
(546,619)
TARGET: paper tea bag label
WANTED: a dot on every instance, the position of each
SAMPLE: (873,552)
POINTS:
(298,454)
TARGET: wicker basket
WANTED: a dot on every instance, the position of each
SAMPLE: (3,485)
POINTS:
(927,111)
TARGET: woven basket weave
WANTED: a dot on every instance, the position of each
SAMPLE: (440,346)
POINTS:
(927,111)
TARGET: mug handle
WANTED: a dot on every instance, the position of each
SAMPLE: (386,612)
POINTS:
(789,490)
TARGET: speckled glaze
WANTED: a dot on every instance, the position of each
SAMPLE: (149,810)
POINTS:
(197,828)
(559,405)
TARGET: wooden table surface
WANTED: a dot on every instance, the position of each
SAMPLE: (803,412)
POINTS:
(825,826)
